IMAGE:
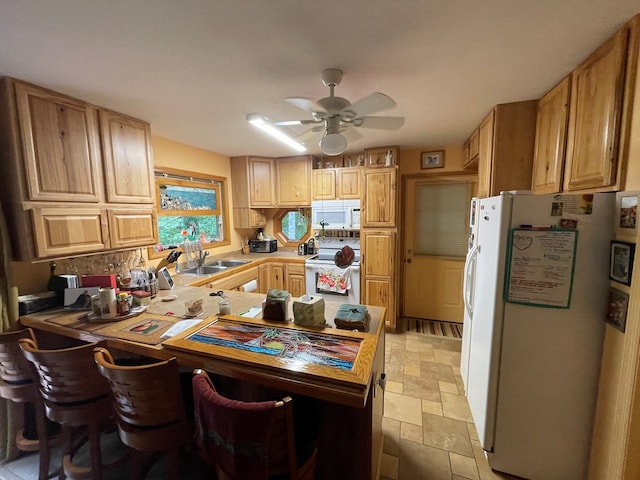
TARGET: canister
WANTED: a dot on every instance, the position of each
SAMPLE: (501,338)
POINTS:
(108,304)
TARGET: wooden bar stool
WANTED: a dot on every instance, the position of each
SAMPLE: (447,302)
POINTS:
(18,385)
(250,439)
(76,396)
(149,408)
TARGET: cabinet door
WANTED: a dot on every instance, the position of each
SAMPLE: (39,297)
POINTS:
(248,218)
(61,146)
(294,181)
(378,272)
(485,155)
(262,181)
(473,145)
(348,183)
(264,278)
(594,117)
(551,136)
(379,197)
(69,231)
(324,184)
(132,228)
(277,276)
(296,285)
(127,157)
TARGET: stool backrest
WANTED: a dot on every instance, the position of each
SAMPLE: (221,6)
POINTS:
(244,439)
(14,368)
(66,376)
(144,395)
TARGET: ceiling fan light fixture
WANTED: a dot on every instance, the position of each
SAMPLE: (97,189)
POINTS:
(333,144)
(263,124)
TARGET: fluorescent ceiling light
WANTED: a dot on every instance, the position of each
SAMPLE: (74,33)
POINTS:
(262,123)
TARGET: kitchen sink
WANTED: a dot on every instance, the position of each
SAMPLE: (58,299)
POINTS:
(205,270)
(215,267)
(227,263)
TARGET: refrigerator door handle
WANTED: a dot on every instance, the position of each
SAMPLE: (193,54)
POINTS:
(469,284)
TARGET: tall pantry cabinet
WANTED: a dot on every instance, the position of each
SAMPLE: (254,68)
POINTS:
(77,178)
(379,269)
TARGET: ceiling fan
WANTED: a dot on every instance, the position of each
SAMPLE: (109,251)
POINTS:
(336,117)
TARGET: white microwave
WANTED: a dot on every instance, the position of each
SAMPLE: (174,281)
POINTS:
(335,214)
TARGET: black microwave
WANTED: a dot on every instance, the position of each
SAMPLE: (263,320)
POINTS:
(263,246)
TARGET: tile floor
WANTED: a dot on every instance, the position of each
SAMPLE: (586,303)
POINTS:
(427,424)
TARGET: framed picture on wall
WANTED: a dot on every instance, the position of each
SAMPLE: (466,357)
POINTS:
(617,308)
(433,159)
(627,213)
(621,265)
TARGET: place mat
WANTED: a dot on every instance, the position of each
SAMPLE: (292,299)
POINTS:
(146,328)
(79,322)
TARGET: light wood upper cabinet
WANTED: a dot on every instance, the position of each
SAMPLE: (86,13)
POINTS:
(60,144)
(323,184)
(379,197)
(58,156)
(128,159)
(69,231)
(471,150)
(293,178)
(551,136)
(597,89)
(506,139)
(348,183)
(336,183)
(262,182)
(132,227)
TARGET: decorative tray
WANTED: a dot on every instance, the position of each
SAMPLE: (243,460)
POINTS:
(93,318)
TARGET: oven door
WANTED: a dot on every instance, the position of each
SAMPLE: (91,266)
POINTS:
(312,276)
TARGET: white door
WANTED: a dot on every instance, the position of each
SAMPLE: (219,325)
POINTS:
(436,240)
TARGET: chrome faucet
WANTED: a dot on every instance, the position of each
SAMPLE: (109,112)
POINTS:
(202,254)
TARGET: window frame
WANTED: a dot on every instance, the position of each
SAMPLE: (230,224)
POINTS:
(178,177)
(277,227)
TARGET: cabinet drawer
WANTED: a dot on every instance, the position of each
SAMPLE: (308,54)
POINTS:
(295,268)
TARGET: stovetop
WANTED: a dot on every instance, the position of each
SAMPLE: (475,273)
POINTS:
(328,246)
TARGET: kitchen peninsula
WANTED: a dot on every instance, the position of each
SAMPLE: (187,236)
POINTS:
(349,401)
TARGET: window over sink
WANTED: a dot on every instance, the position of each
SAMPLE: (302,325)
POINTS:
(191,207)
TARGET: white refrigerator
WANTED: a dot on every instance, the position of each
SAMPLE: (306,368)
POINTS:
(538,272)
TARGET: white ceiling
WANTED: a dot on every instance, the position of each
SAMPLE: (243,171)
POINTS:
(195,68)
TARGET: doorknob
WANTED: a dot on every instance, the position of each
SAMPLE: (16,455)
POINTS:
(409,260)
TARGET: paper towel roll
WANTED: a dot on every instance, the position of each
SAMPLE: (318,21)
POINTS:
(251,286)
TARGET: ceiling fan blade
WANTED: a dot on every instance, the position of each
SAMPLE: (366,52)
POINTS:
(352,134)
(373,103)
(381,123)
(308,135)
(306,104)
(287,123)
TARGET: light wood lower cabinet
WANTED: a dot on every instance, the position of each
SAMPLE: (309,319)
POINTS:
(296,284)
(264,277)
(379,272)
(277,279)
